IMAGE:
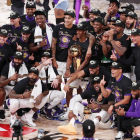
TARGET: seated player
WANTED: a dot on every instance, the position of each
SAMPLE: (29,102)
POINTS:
(100,116)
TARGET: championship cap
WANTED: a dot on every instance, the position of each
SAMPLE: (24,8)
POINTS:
(93,64)
(132,15)
(88,126)
(135,122)
(113,19)
(119,23)
(70,13)
(116,65)
(81,26)
(135,32)
(95,11)
(3,32)
(30,4)
(100,20)
(129,6)
(135,86)
(40,12)
(14,15)
(18,55)
(46,54)
(124,11)
(34,70)
(96,79)
(26,29)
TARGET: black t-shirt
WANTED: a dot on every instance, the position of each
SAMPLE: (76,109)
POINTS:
(25,48)
(18,3)
(39,53)
(27,21)
(13,32)
(136,138)
(92,94)
(23,86)
(5,53)
(125,43)
(49,84)
(102,71)
(5,70)
(120,88)
(63,36)
(89,27)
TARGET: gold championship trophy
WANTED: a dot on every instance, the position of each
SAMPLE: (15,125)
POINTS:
(76,51)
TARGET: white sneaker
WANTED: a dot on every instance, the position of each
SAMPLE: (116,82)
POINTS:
(29,121)
(64,116)
(120,136)
(12,120)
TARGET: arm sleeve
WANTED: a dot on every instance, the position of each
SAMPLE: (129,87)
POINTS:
(74,100)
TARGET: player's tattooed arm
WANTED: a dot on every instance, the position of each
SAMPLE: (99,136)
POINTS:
(91,39)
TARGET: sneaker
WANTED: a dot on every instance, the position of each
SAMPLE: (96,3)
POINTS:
(67,129)
(39,3)
(29,121)
(2,115)
(120,136)
(48,114)
(13,118)
(64,116)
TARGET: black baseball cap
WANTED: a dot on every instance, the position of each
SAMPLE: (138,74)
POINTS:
(124,11)
(34,70)
(116,65)
(135,122)
(18,55)
(81,27)
(14,15)
(112,19)
(46,54)
(40,12)
(93,64)
(116,1)
(119,23)
(129,6)
(70,13)
(30,4)
(96,79)
(88,126)
(26,29)
(135,32)
(95,11)
(135,86)
(132,15)
(3,32)
(100,20)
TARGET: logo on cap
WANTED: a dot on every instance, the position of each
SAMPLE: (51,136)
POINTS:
(25,28)
(95,10)
(96,78)
(18,53)
(134,84)
(118,21)
(92,62)
(70,11)
(40,10)
(47,53)
(134,30)
(131,13)
(89,127)
(113,18)
(33,68)
(127,4)
(3,31)
(30,3)
(114,64)
(79,25)
(12,14)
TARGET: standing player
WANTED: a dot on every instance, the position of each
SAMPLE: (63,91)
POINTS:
(28,19)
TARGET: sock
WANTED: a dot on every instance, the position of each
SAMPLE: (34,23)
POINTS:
(96,121)
(1,107)
(30,114)
(72,121)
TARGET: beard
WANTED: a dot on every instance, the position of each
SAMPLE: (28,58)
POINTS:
(17,66)
(31,80)
(131,25)
(136,96)
(99,91)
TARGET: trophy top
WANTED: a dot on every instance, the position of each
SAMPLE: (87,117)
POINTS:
(75,50)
